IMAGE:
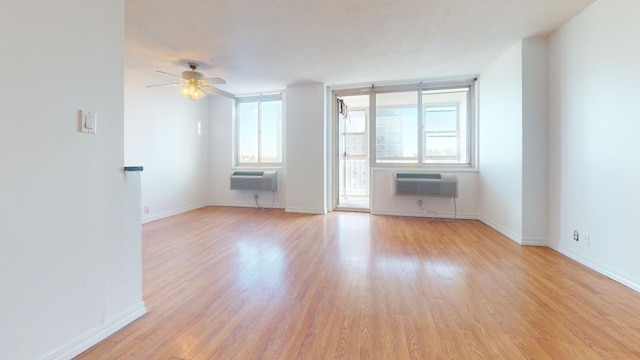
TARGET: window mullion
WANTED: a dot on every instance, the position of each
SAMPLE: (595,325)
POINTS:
(372,129)
(421,130)
(259,132)
(237,134)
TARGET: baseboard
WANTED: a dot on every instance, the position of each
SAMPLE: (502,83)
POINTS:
(242,204)
(424,214)
(622,279)
(514,237)
(94,336)
(166,214)
(305,211)
(530,241)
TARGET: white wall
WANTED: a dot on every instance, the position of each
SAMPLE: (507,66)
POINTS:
(513,141)
(534,140)
(168,134)
(385,202)
(594,147)
(222,145)
(70,273)
(500,144)
(305,148)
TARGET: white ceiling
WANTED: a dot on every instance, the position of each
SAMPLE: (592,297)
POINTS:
(260,46)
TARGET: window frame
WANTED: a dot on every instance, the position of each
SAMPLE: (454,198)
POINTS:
(420,89)
(259,99)
(442,133)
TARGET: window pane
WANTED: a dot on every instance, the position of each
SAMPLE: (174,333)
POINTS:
(441,146)
(248,132)
(356,122)
(271,127)
(441,118)
(356,144)
(397,127)
(446,125)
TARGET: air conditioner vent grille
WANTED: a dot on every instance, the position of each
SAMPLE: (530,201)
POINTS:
(248,173)
(426,184)
(419,176)
(254,180)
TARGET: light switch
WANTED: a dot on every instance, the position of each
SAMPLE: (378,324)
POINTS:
(89,121)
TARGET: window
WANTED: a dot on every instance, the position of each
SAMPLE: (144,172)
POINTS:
(397,127)
(423,127)
(356,133)
(259,131)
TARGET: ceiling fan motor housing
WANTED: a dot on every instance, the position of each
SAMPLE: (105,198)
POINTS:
(192,75)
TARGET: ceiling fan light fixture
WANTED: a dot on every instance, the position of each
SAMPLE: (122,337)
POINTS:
(194,84)
(193,91)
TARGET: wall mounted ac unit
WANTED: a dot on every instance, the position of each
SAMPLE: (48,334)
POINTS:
(254,180)
(426,184)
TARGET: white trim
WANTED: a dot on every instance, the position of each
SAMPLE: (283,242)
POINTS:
(305,211)
(408,83)
(243,204)
(166,214)
(604,270)
(352,209)
(90,338)
(254,167)
(533,241)
(424,214)
(514,237)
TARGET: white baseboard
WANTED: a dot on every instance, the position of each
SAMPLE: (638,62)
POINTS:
(424,214)
(521,240)
(622,279)
(305,211)
(243,204)
(531,241)
(166,214)
(94,336)
(514,237)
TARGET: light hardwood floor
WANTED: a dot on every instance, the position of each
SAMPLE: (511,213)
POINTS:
(232,283)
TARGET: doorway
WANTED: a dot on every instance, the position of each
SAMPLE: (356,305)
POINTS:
(353,152)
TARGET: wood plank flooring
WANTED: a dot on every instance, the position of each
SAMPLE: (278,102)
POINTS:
(237,283)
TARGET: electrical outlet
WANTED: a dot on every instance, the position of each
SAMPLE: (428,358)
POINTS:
(586,240)
(146,209)
(576,235)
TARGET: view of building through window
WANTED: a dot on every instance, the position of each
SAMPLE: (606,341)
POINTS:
(409,128)
(443,123)
(397,127)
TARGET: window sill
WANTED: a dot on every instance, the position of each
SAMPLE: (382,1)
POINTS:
(424,168)
(258,167)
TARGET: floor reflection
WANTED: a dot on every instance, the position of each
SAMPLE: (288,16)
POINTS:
(260,264)
(354,243)
(360,253)
(444,268)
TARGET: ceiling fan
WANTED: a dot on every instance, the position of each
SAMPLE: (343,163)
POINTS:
(194,84)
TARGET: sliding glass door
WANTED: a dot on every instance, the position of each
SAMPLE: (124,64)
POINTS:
(353,152)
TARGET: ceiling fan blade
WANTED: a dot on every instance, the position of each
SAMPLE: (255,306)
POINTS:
(170,84)
(215,81)
(166,73)
(218,91)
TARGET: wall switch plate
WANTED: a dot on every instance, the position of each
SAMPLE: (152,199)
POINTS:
(88,122)
(586,240)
